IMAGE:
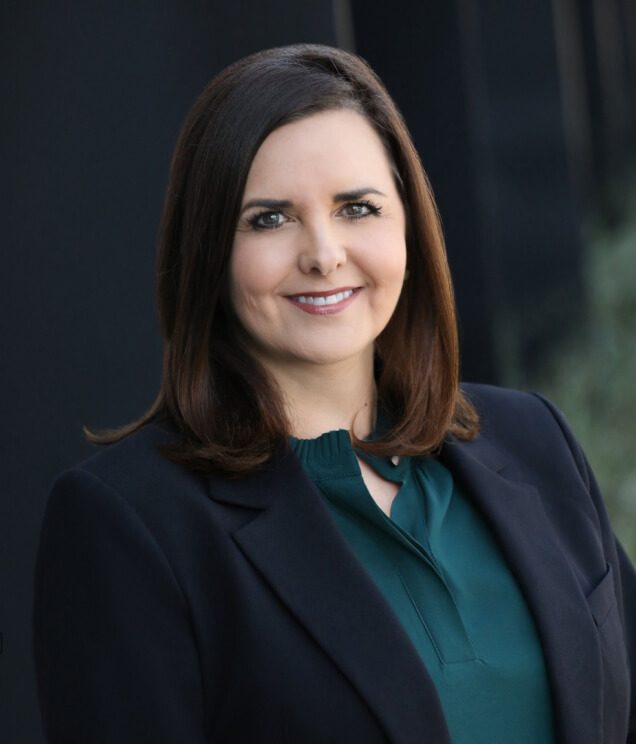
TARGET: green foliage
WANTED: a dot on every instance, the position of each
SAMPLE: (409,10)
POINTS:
(592,377)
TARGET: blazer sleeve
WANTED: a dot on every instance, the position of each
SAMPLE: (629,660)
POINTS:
(623,570)
(115,653)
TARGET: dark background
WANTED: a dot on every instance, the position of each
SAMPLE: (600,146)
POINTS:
(524,114)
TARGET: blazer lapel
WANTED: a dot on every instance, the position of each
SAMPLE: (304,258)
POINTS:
(530,546)
(296,546)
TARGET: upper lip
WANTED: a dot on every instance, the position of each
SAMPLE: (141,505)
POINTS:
(326,293)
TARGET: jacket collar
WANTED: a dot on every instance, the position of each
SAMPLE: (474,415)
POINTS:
(531,546)
(333,597)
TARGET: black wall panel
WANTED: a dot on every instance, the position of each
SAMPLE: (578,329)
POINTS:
(478,83)
(93,95)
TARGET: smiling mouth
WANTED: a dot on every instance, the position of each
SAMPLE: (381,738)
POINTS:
(332,299)
(325,303)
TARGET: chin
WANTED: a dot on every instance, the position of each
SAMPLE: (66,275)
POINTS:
(330,355)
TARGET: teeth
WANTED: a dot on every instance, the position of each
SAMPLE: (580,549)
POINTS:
(328,300)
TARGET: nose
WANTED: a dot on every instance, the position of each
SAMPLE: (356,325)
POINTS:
(322,251)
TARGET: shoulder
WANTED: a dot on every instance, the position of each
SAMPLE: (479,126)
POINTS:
(132,476)
(499,404)
(528,428)
(526,439)
(504,407)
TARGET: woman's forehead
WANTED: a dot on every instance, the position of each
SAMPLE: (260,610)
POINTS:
(335,147)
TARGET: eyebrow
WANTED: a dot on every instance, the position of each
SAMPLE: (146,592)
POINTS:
(356,194)
(268,203)
(286,203)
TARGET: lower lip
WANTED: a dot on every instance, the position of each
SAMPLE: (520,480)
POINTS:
(311,309)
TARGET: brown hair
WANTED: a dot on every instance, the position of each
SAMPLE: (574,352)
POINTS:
(226,409)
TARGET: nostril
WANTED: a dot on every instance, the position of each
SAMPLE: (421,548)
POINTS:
(321,263)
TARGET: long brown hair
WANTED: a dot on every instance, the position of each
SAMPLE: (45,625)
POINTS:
(227,411)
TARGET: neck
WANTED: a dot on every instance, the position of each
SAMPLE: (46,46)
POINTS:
(320,398)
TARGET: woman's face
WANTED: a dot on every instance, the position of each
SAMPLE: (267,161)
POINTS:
(319,253)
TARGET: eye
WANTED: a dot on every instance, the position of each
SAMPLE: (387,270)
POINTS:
(357,210)
(268,220)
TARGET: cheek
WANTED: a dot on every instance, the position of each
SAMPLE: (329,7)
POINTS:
(255,272)
(386,260)
(396,262)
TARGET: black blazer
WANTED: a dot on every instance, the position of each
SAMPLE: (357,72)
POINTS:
(172,607)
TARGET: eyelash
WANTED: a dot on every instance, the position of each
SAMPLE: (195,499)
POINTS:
(374,211)
(253,220)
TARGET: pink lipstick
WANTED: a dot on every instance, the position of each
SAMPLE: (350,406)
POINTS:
(329,302)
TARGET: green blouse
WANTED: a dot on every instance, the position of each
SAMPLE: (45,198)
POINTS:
(443,575)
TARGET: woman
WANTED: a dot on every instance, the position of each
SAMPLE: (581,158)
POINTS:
(314,535)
